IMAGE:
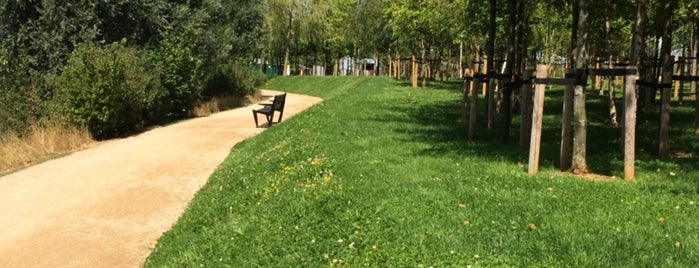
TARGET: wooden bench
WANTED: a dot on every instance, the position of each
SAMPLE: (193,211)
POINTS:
(268,109)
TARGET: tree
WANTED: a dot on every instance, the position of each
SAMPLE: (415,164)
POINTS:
(579,164)
(667,63)
(288,18)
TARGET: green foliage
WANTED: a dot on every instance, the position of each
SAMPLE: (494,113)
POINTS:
(381,175)
(233,79)
(179,73)
(185,39)
(105,89)
(14,104)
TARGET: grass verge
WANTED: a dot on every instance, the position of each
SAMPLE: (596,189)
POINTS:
(382,175)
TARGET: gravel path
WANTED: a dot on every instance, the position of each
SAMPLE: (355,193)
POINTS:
(106,205)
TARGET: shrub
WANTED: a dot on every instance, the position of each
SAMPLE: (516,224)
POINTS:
(233,79)
(105,89)
(180,75)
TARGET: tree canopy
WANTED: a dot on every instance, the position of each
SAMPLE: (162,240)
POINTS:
(37,38)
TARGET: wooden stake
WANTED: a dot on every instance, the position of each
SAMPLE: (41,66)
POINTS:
(629,125)
(537,113)
(413,77)
(676,92)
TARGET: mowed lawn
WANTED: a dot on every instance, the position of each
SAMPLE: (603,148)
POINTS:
(382,175)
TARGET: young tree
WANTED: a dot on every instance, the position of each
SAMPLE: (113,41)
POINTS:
(667,63)
(579,164)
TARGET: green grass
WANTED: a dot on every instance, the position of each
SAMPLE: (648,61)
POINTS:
(382,175)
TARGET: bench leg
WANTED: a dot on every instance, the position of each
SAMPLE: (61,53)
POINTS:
(269,120)
(280,116)
(254,115)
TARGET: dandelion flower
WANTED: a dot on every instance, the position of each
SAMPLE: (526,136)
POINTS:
(531,227)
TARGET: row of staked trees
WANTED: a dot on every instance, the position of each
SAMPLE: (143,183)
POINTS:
(508,36)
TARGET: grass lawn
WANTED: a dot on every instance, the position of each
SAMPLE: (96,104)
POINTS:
(382,175)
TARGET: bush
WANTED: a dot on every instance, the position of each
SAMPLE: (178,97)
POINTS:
(233,79)
(180,75)
(105,89)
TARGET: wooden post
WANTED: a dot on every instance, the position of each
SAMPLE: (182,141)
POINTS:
(484,70)
(525,104)
(537,113)
(413,76)
(629,125)
(390,64)
(678,71)
(596,79)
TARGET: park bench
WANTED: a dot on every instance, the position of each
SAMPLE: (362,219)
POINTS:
(268,109)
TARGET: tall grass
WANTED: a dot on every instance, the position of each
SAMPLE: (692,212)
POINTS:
(224,102)
(382,175)
(42,140)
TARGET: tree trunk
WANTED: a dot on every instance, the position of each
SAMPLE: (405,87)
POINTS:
(693,72)
(508,88)
(608,47)
(579,164)
(287,45)
(638,45)
(566,131)
(667,62)
(490,52)
(611,100)
(336,66)
(375,57)
(461,56)
(522,29)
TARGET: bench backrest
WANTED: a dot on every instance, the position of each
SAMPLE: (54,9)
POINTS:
(278,103)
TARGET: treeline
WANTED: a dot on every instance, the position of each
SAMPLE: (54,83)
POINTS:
(304,33)
(118,66)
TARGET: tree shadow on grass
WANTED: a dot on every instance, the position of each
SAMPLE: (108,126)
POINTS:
(436,123)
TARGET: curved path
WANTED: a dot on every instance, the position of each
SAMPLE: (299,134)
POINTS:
(106,205)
